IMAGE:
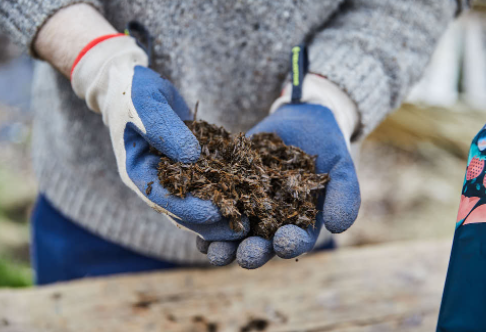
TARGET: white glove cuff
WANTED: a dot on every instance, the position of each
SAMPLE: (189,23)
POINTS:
(91,76)
(318,90)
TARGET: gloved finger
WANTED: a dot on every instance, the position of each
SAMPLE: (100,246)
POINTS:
(202,245)
(219,231)
(342,197)
(222,253)
(141,167)
(253,252)
(156,100)
(291,241)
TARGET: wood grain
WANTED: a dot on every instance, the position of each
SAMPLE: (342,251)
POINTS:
(393,287)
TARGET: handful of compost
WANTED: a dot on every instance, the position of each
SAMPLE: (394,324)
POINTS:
(259,176)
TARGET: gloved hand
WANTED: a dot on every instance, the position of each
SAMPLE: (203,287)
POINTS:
(141,109)
(313,128)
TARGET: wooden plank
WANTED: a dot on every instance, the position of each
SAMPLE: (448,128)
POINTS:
(392,287)
(412,126)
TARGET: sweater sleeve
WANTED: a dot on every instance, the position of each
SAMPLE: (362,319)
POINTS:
(375,50)
(20,20)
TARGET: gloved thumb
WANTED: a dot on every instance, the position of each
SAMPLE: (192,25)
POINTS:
(162,111)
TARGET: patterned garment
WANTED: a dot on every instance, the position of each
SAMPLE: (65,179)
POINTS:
(472,208)
(463,305)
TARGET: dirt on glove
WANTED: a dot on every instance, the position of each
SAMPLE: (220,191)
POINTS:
(271,183)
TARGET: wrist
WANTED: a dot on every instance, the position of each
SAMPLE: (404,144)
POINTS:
(90,46)
(319,90)
(66,32)
(104,65)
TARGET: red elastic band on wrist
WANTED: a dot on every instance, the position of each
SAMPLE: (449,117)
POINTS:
(90,45)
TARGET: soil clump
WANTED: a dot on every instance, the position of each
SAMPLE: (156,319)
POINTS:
(271,183)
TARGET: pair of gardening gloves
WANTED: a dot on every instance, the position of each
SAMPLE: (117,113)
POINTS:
(143,110)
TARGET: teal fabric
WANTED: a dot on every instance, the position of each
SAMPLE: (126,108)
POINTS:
(463,306)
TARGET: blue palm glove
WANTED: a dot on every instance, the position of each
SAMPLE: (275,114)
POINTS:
(314,129)
(142,110)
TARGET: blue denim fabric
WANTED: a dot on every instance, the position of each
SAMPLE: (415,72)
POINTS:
(62,250)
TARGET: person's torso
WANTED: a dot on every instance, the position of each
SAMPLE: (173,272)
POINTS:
(231,56)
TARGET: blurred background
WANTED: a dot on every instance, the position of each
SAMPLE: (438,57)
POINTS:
(411,168)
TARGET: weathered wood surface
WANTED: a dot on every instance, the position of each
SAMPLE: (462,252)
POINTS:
(378,288)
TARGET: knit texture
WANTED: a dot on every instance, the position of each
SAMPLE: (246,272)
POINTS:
(376,60)
(22,19)
(234,58)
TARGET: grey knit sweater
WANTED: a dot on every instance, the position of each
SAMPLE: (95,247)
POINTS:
(232,56)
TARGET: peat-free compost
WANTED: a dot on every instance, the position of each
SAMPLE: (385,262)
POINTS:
(271,183)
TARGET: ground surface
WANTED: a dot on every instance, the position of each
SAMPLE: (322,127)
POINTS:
(392,287)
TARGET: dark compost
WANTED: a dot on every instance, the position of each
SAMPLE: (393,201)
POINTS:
(260,177)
